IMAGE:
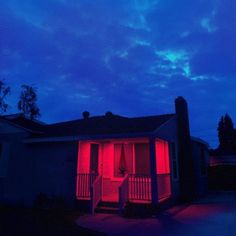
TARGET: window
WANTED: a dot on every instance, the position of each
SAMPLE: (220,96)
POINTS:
(163,169)
(162,157)
(123,159)
(94,148)
(142,159)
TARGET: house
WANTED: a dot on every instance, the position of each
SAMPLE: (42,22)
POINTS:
(103,160)
(222,171)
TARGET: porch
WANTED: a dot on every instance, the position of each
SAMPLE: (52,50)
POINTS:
(120,171)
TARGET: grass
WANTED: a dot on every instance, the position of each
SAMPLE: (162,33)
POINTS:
(40,222)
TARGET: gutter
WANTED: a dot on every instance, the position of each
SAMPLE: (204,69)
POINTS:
(86,137)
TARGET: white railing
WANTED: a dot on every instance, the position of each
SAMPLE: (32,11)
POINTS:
(96,193)
(139,187)
(84,184)
(123,192)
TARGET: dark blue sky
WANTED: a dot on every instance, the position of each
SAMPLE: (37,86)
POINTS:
(131,57)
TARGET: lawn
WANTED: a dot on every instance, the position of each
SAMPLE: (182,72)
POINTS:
(40,222)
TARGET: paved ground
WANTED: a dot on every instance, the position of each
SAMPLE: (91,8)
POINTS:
(212,215)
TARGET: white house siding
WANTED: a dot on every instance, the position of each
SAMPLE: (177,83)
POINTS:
(9,134)
(10,138)
(107,160)
(48,168)
(4,157)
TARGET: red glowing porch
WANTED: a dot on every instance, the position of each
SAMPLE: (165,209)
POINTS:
(119,170)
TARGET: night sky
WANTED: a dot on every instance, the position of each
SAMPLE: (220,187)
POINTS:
(131,57)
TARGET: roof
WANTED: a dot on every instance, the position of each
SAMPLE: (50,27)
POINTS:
(199,140)
(21,121)
(103,125)
(98,125)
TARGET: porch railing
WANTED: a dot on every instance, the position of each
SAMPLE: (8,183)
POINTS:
(96,192)
(123,192)
(84,184)
(140,187)
(137,187)
(134,187)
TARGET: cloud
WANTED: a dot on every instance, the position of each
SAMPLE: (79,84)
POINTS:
(111,55)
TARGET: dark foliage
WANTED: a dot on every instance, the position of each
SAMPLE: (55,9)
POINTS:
(4,92)
(28,102)
(226,136)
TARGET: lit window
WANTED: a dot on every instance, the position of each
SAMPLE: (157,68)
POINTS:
(123,163)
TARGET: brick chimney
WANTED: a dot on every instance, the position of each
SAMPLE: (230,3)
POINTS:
(186,175)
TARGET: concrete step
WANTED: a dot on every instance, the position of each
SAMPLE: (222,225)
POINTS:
(107,210)
(107,207)
(108,204)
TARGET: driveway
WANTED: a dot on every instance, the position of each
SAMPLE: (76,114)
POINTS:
(213,215)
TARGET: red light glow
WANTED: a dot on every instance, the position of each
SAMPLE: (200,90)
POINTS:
(162,157)
(135,163)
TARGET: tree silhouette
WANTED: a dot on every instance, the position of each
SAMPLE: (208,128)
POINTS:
(221,133)
(4,92)
(226,134)
(28,102)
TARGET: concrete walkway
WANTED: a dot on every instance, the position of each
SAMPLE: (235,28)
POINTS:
(212,215)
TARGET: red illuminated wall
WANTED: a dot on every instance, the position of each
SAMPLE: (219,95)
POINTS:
(107,154)
(162,157)
(107,159)
(83,157)
(163,169)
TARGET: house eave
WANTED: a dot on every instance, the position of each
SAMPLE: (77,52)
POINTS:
(87,137)
(20,127)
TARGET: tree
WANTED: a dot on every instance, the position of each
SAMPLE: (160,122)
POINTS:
(28,102)
(226,133)
(4,92)
(221,132)
(229,132)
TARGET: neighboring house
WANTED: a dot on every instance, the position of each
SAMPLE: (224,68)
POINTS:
(222,171)
(103,159)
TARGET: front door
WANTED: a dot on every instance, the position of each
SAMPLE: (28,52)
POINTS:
(94,152)
(142,160)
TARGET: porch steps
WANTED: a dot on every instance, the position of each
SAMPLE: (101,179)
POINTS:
(107,207)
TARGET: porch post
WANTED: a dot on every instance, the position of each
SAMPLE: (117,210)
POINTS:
(152,151)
